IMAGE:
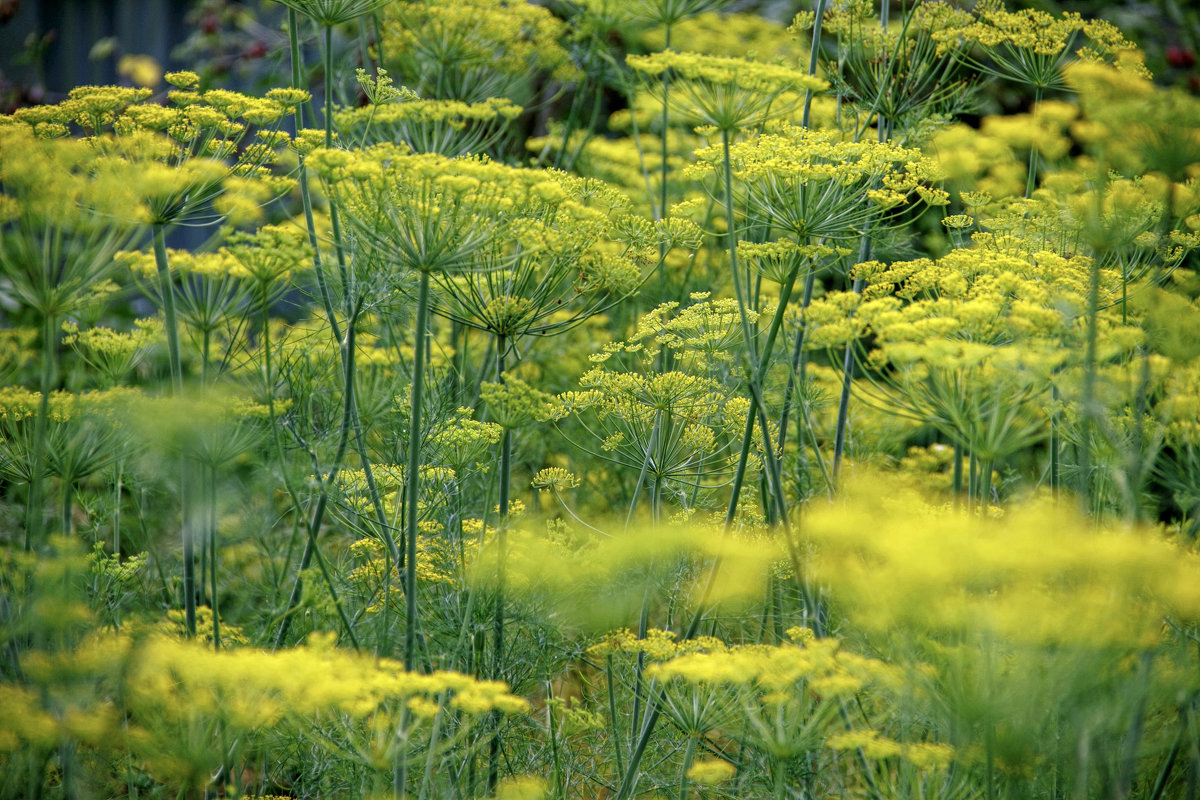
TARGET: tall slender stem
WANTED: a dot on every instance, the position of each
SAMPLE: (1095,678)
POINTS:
(664,147)
(839,439)
(412,477)
(501,574)
(796,375)
(318,517)
(797,372)
(814,50)
(334,218)
(212,551)
(689,755)
(167,290)
(35,514)
(1031,176)
(731,243)
(1089,380)
(843,417)
(957,474)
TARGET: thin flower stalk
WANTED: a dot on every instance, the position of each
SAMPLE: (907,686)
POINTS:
(412,476)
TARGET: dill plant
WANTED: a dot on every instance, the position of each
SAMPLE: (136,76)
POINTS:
(1010,301)
(61,231)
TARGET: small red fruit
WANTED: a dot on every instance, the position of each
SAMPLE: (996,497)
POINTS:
(1180,57)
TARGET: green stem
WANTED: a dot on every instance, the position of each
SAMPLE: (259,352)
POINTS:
(640,665)
(1089,380)
(637,486)
(434,751)
(412,477)
(663,167)
(957,474)
(812,61)
(559,786)
(796,375)
(864,252)
(327,111)
(731,243)
(314,527)
(35,517)
(739,473)
(65,492)
(985,484)
(839,438)
(1031,177)
(334,218)
(501,576)
(618,744)
(771,463)
(972,478)
(167,290)
(689,755)
(305,194)
(323,284)
(120,477)
(1138,458)
(297,65)
(212,555)
(348,364)
(731,238)
(779,777)
(364,52)
(378,39)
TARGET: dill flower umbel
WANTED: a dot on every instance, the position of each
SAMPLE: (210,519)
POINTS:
(473,50)
(512,251)
(811,183)
(1032,46)
(725,92)
(448,127)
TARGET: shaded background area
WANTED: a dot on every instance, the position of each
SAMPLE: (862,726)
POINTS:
(49,46)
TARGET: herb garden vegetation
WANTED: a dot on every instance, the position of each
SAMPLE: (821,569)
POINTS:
(607,399)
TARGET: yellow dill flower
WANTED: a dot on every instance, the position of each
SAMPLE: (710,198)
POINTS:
(474,49)
(869,742)
(178,156)
(1032,46)
(811,183)
(554,479)
(184,79)
(1078,585)
(111,353)
(448,127)
(64,212)
(711,772)
(511,251)
(718,33)
(515,404)
(525,787)
(1138,127)
(463,442)
(725,92)
(903,73)
(142,70)
(270,255)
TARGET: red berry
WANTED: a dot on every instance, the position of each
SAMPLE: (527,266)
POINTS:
(1180,56)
